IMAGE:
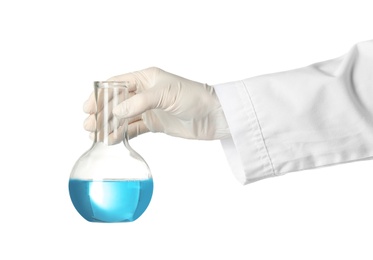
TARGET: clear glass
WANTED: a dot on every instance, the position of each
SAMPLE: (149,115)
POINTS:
(110,182)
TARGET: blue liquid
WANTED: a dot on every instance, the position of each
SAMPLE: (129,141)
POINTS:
(111,200)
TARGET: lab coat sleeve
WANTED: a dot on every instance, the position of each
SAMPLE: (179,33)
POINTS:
(301,119)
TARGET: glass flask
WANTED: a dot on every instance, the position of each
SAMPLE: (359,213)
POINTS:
(110,182)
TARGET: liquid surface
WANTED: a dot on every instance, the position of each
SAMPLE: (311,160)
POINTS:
(111,200)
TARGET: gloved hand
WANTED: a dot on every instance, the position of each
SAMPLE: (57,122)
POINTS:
(162,102)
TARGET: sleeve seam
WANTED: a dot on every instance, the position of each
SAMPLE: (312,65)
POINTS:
(260,129)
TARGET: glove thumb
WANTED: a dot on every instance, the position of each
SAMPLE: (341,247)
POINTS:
(136,105)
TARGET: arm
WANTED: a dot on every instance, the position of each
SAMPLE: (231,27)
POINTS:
(301,119)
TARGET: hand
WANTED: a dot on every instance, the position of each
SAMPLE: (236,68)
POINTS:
(162,102)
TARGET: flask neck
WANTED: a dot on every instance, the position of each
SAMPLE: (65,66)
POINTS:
(111,136)
(109,129)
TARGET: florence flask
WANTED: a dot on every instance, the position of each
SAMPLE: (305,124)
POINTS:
(110,182)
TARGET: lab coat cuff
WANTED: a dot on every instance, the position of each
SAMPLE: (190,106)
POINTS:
(245,150)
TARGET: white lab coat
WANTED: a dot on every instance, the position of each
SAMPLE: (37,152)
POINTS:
(300,119)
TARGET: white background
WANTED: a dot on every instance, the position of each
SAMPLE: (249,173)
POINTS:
(52,51)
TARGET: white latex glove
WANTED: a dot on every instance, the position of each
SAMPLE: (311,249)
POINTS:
(163,102)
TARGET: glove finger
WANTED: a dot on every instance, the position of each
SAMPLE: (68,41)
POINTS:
(109,135)
(139,80)
(136,128)
(137,104)
(114,124)
(106,115)
(130,78)
(116,136)
(90,123)
(89,106)
(105,97)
